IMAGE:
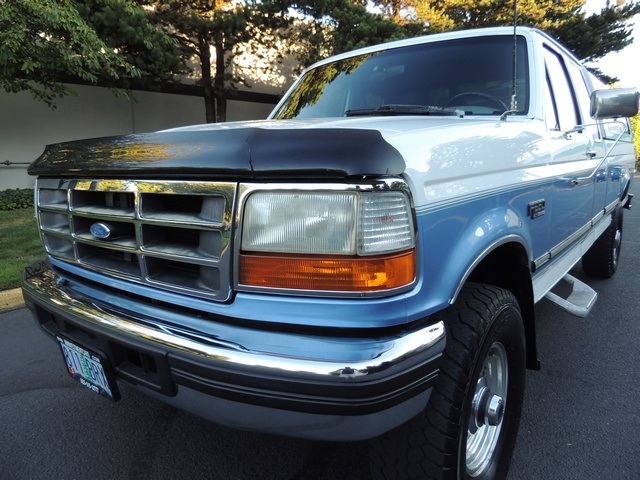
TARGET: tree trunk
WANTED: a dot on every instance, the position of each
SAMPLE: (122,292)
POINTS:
(209,97)
(219,84)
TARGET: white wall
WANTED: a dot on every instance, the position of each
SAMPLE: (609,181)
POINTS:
(27,126)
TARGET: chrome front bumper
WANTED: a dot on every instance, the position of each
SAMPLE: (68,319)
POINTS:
(381,380)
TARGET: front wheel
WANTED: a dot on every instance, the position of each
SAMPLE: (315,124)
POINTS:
(469,426)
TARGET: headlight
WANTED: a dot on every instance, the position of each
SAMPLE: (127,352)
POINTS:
(300,223)
(335,241)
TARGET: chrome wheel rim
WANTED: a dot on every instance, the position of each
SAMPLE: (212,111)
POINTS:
(487,410)
(617,241)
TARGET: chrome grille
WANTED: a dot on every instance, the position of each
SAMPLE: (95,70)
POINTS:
(173,235)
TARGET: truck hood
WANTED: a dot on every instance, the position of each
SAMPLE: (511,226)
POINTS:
(243,150)
(318,148)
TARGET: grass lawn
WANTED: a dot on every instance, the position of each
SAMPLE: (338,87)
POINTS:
(19,245)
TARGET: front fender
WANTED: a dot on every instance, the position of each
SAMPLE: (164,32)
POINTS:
(457,240)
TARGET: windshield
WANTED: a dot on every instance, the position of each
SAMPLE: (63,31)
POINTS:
(473,75)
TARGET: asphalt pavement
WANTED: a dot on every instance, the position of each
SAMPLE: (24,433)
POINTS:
(581,415)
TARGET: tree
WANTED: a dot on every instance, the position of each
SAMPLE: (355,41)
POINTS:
(589,37)
(43,41)
(127,29)
(218,29)
(474,14)
(336,26)
(396,10)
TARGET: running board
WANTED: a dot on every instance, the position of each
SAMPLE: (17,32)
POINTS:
(581,299)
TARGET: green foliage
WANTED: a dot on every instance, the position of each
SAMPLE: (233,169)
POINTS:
(13,199)
(443,15)
(224,27)
(128,29)
(354,27)
(589,37)
(635,128)
(336,26)
(42,41)
(146,43)
(543,14)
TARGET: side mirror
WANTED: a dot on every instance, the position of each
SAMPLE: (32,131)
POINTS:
(615,102)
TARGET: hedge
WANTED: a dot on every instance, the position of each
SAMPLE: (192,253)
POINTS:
(15,198)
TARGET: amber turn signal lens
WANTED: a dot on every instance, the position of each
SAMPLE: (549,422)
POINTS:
(348,274)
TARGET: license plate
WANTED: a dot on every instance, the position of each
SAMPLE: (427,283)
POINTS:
(88,368)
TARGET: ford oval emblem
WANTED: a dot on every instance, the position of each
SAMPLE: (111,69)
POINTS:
(100,230)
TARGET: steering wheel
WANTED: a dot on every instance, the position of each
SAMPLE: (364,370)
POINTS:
(493,101)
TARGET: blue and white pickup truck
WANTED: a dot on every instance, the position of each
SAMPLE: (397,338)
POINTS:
(363,264)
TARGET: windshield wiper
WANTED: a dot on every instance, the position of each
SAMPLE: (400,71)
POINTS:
(391,110)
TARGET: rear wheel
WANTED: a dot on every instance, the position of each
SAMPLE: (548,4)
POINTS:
(469,427)
(601,260)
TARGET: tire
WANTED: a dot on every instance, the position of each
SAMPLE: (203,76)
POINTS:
(484,360)
(601,260)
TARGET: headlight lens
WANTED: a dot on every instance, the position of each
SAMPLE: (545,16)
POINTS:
(340,223)
(331,241)
(300,223)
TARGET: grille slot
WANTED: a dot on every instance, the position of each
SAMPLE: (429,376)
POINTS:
(183,208)
(53,198)
(192,276)
(173,235)
(103,203)
(115,261)
(58,246)
(192,243)
(55,222)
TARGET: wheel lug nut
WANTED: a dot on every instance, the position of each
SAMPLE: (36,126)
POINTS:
(494,410)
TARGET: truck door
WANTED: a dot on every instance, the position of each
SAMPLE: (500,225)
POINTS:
(574,155)
(601,172)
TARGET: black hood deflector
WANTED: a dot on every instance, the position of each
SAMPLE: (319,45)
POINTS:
(239,153)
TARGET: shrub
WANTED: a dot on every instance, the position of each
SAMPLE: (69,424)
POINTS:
(15,198)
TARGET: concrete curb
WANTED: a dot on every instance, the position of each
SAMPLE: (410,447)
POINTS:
(11,300)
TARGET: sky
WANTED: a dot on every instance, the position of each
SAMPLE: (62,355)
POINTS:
(625,64)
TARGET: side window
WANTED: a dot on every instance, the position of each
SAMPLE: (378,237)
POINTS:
(551,110)
(562,94)
(583,94)
(617,127)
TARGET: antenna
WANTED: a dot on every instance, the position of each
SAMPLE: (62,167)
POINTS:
(514,102)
